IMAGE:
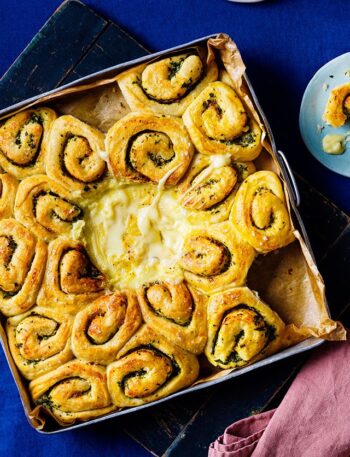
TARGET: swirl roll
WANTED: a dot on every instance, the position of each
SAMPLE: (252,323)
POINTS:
(176,310)
(216,257)
(145,147)
(210,186)
(22,264)
(206,192)
(260,214)
(39,340)
(74,158)
(8,188)
(71,280)
(337,110)
(24,142)
(218,123)
(101,329)
(44,206)
(76,391)
(149,367)
(166,86)
(241,329)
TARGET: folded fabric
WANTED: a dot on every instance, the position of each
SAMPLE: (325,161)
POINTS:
(313,420)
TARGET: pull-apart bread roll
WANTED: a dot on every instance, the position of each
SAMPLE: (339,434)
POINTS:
(71,280)
(45,206)
(75,154)
(218,123)
(144,147)
(241,329)
(101,329)
(210,185)
(337,110)
(216,257)
(175,310)
(260,213)
(24,142)
(74,391)
(149,367)
(40,340)
(22,265)
(166,86)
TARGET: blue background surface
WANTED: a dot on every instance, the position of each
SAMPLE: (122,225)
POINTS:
(283,43)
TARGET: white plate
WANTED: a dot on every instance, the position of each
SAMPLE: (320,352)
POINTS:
(334,73)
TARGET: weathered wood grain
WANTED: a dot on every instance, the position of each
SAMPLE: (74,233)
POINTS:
(323,220)
(53,53)
(112,47)
(231,401)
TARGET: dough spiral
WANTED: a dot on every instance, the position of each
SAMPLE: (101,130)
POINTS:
(260,214)
(149,367)
(74,159)
(45,207)
(75,391)
(71,280)
(210,185)
(241,329)
(24,142)
(176,310)
(22,265)
(101,329)
(39,340)
(166,86)
(144,147)
(216,257)
(218,123)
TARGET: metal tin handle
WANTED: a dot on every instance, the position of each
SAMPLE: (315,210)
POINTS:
(292,183)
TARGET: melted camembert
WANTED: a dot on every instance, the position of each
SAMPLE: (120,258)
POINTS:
(134,232)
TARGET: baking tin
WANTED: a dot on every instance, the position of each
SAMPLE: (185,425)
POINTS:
(294,199)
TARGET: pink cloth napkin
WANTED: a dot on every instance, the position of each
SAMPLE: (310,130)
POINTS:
(313,419)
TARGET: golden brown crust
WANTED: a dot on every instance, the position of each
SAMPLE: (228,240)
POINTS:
(337,110)
(101,329)
(71,281)
(39,340)
(145,147)
(45,207)
(8,188)
(76,391)
(207,192)
(260,214)
(24,142)
(209,188)
(216,257)
(149,367)
(166,86)
(176,310)
(218,123)
(22,264)
(74,160)
(241,329)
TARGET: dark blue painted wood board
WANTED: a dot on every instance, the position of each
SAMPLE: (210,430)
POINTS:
(76,41)
(52,54)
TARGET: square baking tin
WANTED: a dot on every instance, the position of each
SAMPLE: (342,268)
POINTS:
(294,200)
